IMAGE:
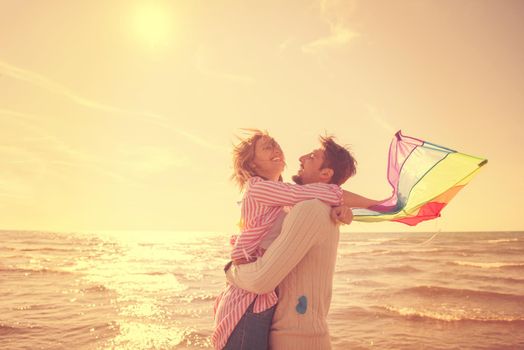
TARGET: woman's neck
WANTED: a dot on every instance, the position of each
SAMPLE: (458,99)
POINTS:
(274,177)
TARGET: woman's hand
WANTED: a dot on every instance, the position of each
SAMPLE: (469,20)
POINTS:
(341,214)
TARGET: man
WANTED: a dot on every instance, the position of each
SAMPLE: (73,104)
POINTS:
(301,260)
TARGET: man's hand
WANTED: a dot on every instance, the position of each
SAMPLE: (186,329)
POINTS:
(342,215)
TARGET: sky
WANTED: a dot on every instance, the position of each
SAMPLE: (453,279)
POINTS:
(121,115)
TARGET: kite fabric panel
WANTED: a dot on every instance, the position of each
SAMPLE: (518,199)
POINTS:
(424,177)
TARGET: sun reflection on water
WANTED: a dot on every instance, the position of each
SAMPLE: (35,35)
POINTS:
(156,278)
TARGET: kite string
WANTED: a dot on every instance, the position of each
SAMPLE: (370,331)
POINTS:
(428,240)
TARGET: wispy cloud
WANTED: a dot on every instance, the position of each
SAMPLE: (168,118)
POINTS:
(203,65)
(38,153)
(49,85)
(285,45)
(378,117)
(52,86)
(13,187)
(17,166)
(44,154)
(34,133)
(97,169)
(146,160)
(340,34)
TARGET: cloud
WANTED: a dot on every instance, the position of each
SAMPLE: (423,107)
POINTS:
(203,66)
(148,160)
(38,151)
(285,44)
(51,86)
(34,133)
(95,168)
(340,34)
(377,116)
(18,165)
(14,188)
(47,84)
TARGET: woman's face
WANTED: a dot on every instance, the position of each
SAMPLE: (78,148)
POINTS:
(269,160)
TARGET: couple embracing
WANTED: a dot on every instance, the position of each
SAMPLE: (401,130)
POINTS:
(280,276)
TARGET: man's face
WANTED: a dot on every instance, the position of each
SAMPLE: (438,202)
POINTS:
(310,168)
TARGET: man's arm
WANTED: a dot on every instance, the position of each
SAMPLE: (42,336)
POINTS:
(302,229)
(354,200)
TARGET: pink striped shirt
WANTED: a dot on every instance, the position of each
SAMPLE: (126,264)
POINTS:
(262,203)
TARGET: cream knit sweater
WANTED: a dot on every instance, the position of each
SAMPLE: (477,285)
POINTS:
(301,262)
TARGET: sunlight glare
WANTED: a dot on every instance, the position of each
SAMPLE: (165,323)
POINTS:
(153,23)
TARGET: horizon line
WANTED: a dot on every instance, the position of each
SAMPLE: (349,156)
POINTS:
(213,231)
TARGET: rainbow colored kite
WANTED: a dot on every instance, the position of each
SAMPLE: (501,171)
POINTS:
(424,177)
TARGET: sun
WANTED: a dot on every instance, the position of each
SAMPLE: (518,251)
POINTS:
(153,23)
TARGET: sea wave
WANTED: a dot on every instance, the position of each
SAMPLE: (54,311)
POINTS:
(157,273)
(491,278)
(367,283)
(197,297)
(447,316)
(414,251)
(350,312)
(43,270)
(353,271)
(382,269)
(434,291)
(400,269)
(194,338)
(9,330)
(364,243)
(98,288)
(373,241)
(6,329)
(9,249)
(49,249)
(489,265)
(494,241)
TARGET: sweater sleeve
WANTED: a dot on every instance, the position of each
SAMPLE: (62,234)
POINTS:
(303,227)
(275,193)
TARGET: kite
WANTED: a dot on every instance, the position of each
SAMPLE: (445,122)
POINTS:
(424,177)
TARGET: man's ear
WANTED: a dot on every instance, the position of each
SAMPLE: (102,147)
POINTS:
(326,174)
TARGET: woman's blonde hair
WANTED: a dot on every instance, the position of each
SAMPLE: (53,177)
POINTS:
(243,155)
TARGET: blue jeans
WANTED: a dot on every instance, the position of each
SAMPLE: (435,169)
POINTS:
(252,331)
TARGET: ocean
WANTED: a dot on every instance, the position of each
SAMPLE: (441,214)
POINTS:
(155,290)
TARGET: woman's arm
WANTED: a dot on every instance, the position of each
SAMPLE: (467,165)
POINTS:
(274,193)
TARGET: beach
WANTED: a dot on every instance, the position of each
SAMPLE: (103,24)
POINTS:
(155,290)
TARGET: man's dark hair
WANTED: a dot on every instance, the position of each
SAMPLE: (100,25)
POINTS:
(339,159)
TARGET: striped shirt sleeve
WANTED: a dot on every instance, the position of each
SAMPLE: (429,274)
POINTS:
(273,193)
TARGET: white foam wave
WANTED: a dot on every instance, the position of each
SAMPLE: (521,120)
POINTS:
(494,241)
(373,241)
(410,312)
(449,315)
(487,265)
